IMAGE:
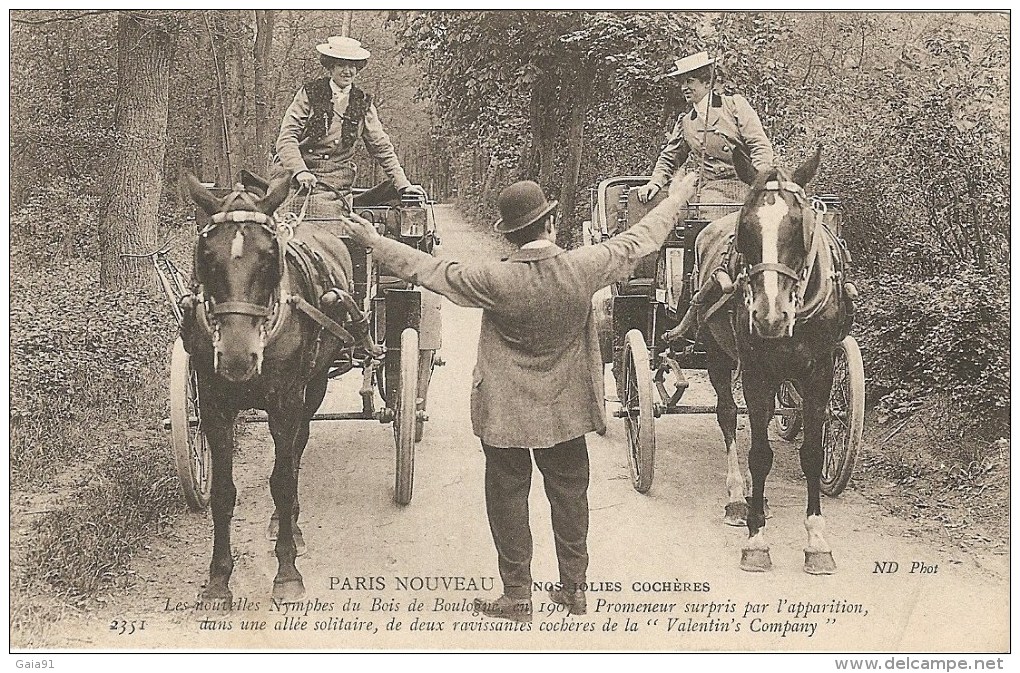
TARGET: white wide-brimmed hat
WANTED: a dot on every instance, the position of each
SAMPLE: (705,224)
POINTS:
(691,63)
(346,48)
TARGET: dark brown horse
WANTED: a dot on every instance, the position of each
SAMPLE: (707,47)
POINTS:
(785,318)
(265,323)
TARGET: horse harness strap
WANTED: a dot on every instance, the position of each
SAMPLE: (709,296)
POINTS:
(241,308)
(327,323)
(311,265)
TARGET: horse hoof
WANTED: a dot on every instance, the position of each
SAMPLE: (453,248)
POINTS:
(217,599)
(736,514)
(755,560)
(288,590)
(819,562)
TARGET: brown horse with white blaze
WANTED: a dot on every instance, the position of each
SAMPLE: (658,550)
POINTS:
(785,318)
(268,316)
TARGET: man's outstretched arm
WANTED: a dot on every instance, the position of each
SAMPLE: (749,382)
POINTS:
(463,284)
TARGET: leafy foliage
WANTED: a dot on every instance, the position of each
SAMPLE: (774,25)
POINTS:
(947,336)
(75,350)
(88,390)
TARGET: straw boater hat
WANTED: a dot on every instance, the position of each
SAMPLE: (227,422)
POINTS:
(690,64)
(345,48)
(521,204)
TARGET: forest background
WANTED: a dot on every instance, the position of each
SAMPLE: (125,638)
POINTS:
(110,108)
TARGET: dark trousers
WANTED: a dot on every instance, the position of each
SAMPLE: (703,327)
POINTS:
(564,468)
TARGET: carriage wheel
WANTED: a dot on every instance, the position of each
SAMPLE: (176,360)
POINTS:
(425,367)
(789,424)
(844,418)
(639,410)
(406,415)
(191,449)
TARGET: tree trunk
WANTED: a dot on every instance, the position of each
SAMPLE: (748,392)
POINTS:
(135,181)
(575,147)
(264,135)
(532,160)
(345,28)
(212,158)
(238,38)
(221,98)
(547,142)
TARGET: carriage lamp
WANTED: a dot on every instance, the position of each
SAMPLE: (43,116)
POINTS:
(412,223)
(412,199)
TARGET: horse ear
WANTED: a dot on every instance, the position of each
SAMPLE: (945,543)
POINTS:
(202,196)
(279,188)
(254,183)
(807,170)
(745,169)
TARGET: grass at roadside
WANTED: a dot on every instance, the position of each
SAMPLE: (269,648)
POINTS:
(91,471)
(956,487)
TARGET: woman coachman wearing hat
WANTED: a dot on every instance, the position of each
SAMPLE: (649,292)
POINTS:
(704,140)
(325,120)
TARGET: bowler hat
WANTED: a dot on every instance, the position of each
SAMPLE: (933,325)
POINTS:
(521,204)
(690,63)
(345,48)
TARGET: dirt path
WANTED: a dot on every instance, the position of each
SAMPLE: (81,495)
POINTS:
(674,535)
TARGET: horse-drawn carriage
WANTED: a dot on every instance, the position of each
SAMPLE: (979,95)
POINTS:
(403,323)
(650,337)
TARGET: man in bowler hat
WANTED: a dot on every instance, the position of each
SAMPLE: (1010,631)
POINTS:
(538,382)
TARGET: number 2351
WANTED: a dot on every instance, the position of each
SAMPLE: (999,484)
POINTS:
(124,627)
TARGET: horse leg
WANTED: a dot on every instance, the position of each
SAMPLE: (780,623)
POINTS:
(760,395)
(315,392)
(720,372)
(817,555)
(285,423)
(218,425)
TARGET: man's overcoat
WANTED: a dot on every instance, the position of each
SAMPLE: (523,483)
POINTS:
(538,380)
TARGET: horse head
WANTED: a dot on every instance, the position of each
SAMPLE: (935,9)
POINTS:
(239,264)
(773,241)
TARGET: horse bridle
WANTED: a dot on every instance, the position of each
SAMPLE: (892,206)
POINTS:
(281,232)
(745,272)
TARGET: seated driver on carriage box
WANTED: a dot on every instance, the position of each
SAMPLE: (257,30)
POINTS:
(706,138)
(322,125)
(538,382)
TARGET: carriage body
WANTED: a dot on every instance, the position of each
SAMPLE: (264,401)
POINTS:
(658,293)
(404,321)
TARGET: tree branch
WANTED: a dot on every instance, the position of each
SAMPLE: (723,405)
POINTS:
(82,15)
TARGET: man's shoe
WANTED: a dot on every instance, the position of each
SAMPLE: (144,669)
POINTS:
(574,600)
(505,607)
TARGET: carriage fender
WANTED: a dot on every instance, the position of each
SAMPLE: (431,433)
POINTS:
(430,335)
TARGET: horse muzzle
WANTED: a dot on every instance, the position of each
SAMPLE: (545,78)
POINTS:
(772,325)
(770,316)
(238,341)
(237,356)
